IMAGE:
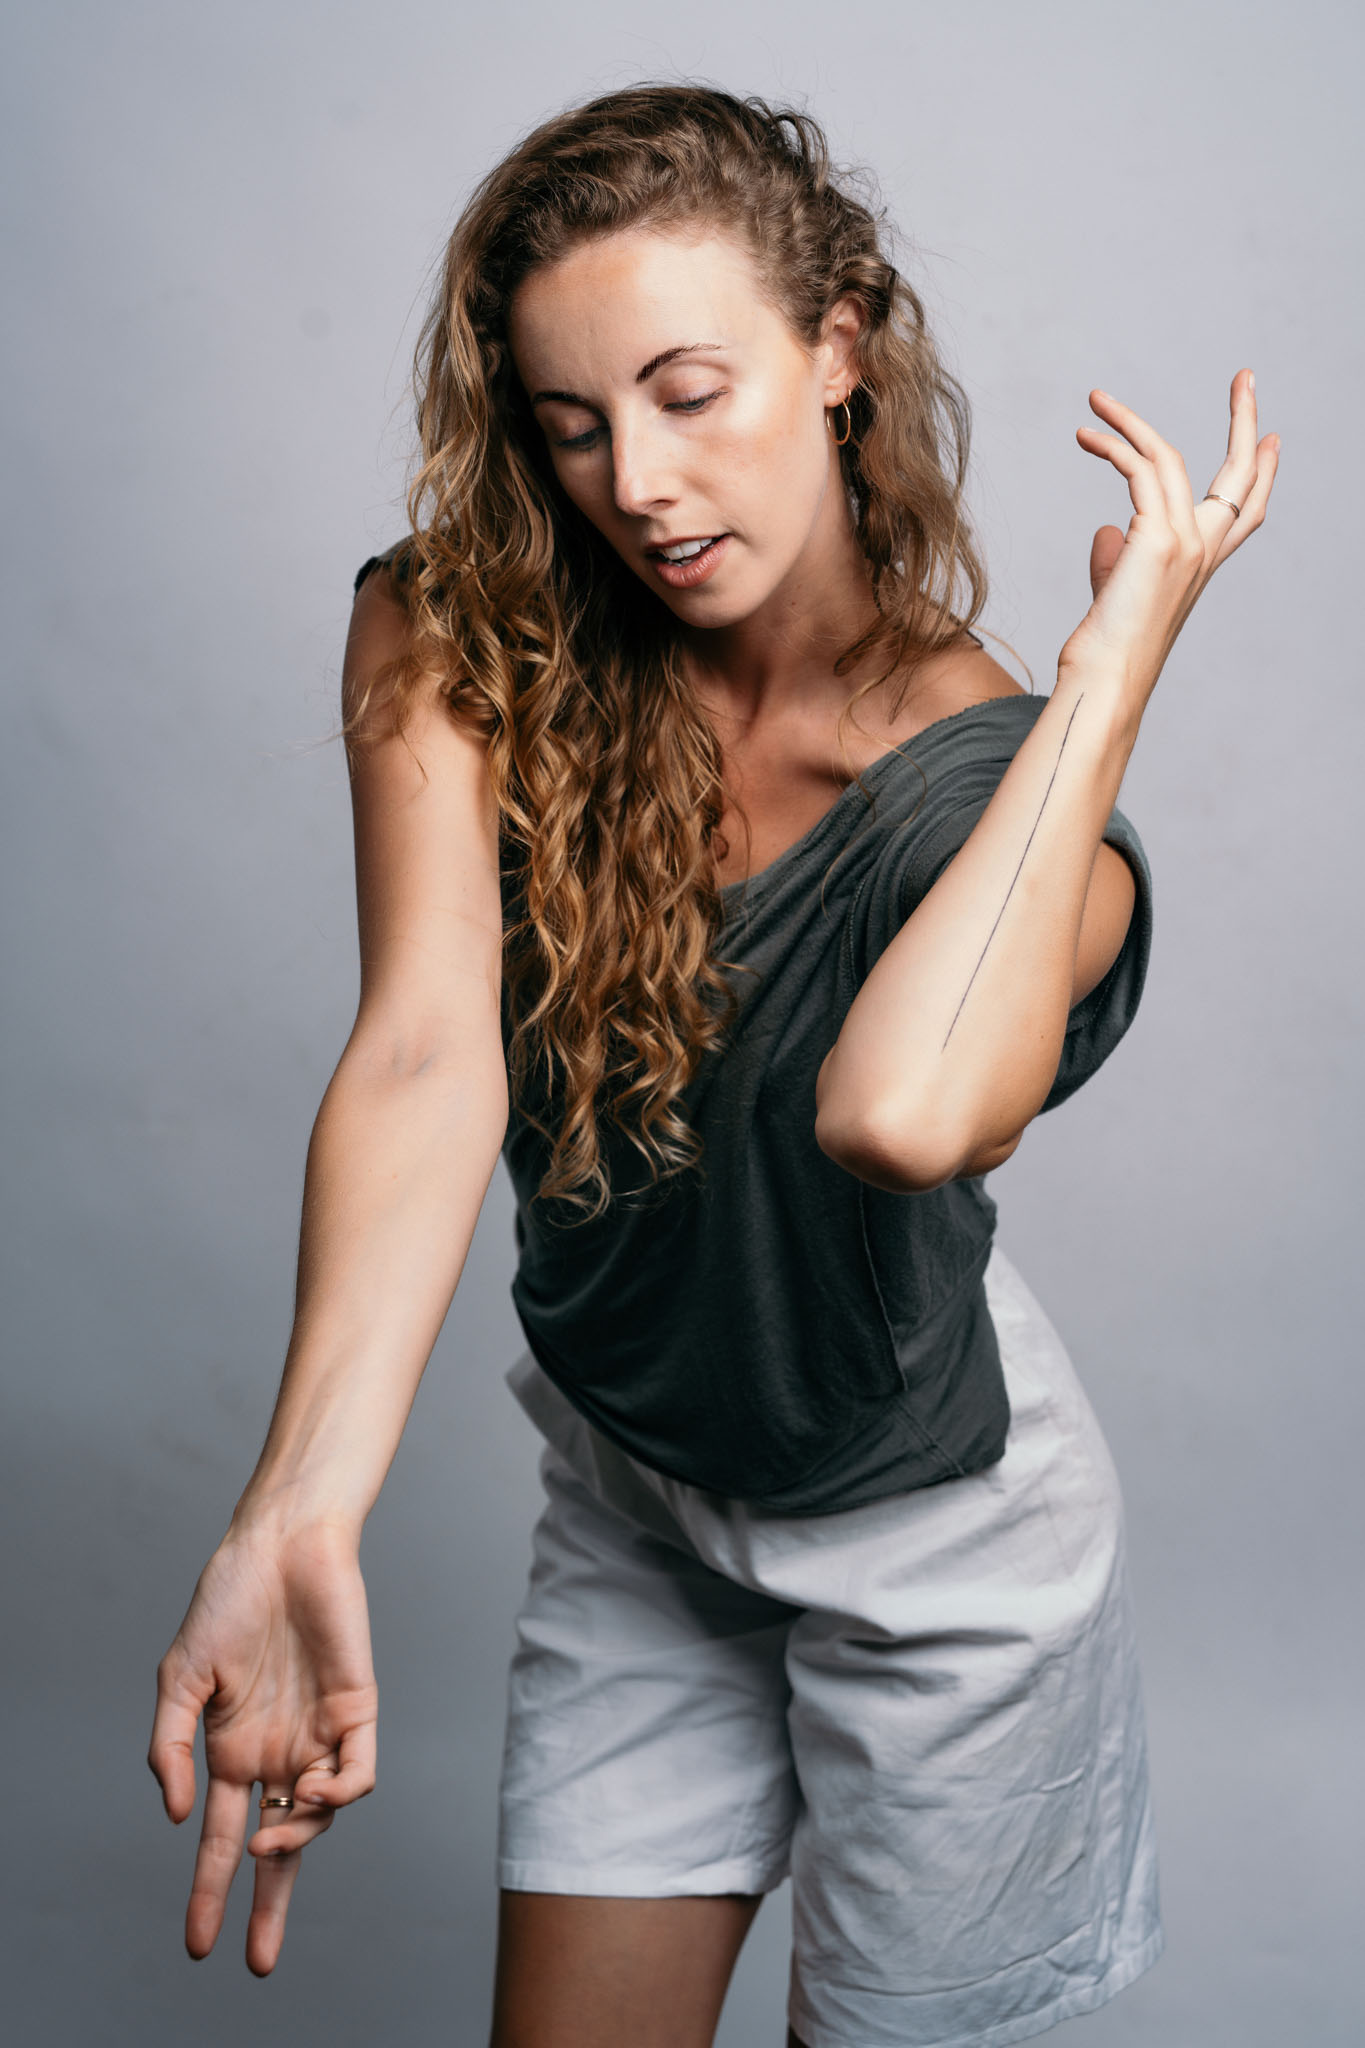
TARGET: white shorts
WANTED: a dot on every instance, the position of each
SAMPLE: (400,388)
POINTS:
(927,1711)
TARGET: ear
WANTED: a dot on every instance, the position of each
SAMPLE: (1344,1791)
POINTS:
(843,324)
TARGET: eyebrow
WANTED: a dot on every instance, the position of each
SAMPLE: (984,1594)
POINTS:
(642,376)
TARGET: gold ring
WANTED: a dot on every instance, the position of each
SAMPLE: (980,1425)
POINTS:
(1235,509)
(276,1800)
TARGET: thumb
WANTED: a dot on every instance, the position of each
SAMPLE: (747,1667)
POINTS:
(1105,550)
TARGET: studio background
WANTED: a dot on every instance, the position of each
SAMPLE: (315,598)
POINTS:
(221,226)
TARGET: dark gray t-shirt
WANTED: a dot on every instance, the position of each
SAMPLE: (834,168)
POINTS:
(780,1331)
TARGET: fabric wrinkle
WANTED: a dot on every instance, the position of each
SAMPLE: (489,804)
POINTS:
(918,1710)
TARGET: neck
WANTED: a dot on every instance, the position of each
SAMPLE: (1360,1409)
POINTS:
(780,660)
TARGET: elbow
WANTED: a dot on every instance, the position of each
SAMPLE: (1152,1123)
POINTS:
(887,1154)
(461,1075)
(872,1144)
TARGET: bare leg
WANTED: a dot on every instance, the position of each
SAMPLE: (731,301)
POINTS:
(576,1972)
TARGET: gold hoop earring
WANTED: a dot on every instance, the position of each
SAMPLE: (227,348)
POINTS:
(841,440)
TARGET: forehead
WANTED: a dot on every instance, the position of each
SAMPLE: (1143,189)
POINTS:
(617,300)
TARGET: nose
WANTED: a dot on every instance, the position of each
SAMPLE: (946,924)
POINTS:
(642,475)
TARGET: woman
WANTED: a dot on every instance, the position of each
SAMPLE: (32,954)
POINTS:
(710,869)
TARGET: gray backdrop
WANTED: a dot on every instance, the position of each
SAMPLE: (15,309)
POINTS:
(221,226)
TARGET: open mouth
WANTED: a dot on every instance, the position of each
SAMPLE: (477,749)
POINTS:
(689,561)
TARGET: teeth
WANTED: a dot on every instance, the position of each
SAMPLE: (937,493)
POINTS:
(685,550)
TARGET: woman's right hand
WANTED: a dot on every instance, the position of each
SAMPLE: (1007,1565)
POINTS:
(274,1651)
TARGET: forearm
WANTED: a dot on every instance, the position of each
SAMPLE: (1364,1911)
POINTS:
(397,1169)
(955,1036)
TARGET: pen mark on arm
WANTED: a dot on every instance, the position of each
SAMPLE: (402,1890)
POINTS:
(1023,856)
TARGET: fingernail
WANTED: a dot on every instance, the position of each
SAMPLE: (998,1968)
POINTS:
(1251,381)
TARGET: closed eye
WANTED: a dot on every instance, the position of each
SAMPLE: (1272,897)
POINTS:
(683,405)
(692,404)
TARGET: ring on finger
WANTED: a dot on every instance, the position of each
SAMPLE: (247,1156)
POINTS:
(1236,510)
(276,1800)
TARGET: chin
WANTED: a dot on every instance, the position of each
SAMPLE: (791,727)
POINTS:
(708,608)
(712,605)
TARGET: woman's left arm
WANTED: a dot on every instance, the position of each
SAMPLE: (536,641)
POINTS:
(952,1043)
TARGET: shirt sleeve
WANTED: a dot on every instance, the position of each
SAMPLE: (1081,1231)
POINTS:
(961,777)
(390,555)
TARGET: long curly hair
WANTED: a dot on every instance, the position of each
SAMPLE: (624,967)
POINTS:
(608,777)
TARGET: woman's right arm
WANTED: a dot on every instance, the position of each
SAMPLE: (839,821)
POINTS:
(274,1649)
(412,1122)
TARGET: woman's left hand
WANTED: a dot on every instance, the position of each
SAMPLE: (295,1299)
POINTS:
(1146,582)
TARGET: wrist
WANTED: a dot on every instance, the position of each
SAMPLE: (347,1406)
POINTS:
(282,1505)
(1110,697)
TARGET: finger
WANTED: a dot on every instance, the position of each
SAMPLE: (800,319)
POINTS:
(1238,473)
(1267,467)
(1105,549)
(332,1781)
(1242,424)
(357,1753)
(276,1873)
(1144,487)
(282,1830)
(220,1851)
(1167,461)
(1254,503)
(180,1700)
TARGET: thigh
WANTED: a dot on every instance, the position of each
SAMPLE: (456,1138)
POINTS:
(575,1972)
(974,1856)
(646,1752)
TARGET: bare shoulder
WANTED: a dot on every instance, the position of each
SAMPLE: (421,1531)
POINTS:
(426,849)
(436,743)
(956,677)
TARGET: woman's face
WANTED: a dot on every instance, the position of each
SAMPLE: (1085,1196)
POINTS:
(678,406)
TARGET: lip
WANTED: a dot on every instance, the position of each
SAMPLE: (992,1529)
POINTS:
(685,575)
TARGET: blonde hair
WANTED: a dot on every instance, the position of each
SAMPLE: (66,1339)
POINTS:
(608,777)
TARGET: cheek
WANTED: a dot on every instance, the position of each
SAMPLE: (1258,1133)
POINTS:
(777,460)
(587,486)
